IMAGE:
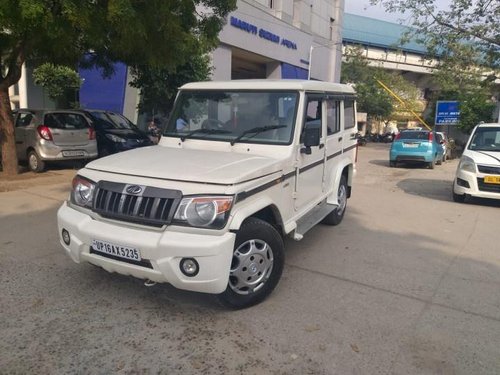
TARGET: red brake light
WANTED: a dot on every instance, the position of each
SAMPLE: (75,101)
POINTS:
(91,134)
(44,132)
(398,136)
(431,136)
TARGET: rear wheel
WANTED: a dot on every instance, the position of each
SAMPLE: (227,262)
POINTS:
(392,164)
(257,264)
(35,164)
(431,164)
(336,216)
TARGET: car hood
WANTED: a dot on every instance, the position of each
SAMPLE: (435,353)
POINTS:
(484,157)
(126,133)
(216,167)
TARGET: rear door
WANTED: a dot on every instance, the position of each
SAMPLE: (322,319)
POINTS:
(413,142)
(68,129)
(24,123)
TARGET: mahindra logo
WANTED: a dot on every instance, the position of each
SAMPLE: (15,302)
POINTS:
(133,189)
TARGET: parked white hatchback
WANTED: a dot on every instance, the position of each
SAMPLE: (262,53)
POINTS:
(478,173)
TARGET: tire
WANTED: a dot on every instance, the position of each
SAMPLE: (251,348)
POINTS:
(257,265)
(335,217)
(392,164)
(439,162)
(431,164)
(35,164)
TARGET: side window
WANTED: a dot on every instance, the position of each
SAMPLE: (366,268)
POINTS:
(23,120)
(332,116)
(313,116)
(349,115)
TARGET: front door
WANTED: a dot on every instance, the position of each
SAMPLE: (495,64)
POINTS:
(309,182)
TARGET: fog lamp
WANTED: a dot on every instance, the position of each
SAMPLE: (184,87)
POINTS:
(66,237)
(189,267)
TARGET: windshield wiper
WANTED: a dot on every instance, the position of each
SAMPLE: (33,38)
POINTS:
(256,130)
(203,131)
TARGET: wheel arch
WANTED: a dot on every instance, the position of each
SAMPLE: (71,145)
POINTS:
(263,209)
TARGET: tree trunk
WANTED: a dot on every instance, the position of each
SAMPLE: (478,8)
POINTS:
(7,137)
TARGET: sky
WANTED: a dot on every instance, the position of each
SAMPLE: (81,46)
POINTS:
(363,8)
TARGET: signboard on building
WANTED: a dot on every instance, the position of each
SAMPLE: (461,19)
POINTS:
(447,113)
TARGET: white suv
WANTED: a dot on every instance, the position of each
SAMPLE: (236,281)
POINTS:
(240,165)
(478,173)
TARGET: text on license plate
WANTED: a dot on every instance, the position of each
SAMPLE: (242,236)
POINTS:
(410,145)
(116,250)
(492,179)
(73,153)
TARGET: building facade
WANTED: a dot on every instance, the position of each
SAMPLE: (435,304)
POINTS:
(281,39)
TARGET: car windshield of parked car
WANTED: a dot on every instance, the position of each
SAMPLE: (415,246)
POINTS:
(485,139)
(226,115)
(414,135)
(111,120)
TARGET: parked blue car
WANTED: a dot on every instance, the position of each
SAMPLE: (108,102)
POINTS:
(416,146)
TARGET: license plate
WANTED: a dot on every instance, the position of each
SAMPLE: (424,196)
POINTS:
(73,153)
(120,251)
(410,145)
(492,179)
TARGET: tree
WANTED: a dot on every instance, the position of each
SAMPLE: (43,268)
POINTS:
(159,33)
(60,81)
(159,86)
(464,39)
(371,97)
(463,22)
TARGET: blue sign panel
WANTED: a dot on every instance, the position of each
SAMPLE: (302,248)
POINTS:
(447,112)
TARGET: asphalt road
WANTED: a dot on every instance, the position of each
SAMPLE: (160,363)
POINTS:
(407,284)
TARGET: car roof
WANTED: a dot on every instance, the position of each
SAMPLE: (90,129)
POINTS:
(270,84)
(488,125)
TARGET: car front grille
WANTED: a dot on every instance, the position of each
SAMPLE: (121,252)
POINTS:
(490,188)
(136,203)
(488,169)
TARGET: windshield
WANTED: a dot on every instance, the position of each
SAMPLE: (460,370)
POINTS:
(227,115)
(485,139)
(108,120)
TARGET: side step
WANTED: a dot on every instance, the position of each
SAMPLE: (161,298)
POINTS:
(312,218)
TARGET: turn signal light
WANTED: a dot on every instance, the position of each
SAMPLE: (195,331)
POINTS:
(431,136)
(44,132)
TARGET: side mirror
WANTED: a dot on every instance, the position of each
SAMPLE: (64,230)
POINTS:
(312,135)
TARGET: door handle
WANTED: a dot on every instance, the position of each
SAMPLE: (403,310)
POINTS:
(321,145)
(340,139)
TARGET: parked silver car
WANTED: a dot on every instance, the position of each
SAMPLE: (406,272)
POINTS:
(53,135)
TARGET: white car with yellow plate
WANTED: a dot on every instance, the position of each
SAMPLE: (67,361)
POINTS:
(478,173)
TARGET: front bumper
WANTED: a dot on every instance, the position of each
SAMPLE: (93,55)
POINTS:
(474,185)
(164,249)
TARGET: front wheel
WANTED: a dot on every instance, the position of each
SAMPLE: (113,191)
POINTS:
(257,264)
(336,216)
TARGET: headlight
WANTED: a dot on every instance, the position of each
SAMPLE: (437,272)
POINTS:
(204,212)
(83,191)
(467,164)
(115,138)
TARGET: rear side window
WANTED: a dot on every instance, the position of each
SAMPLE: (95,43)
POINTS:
(332,116)
(414,135)
(349,114)
(23,120)
(68,121)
